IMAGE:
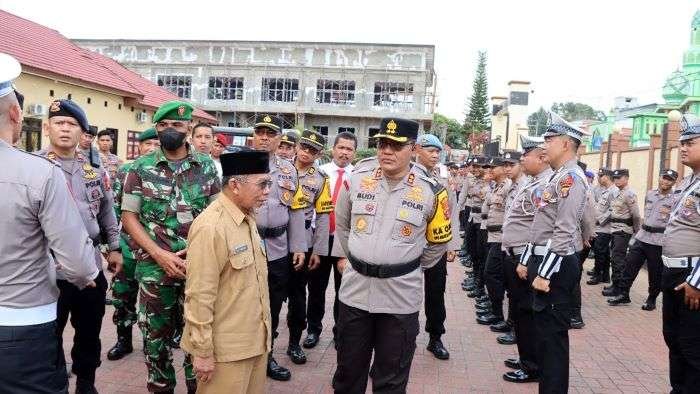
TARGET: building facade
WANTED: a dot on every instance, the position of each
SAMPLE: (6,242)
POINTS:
(509,115)
(331,87)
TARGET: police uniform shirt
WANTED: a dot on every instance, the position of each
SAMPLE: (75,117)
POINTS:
(623,205)
(588,221)
(90,189)
(38,215)
(682,235)
(280,210)
(384,223)
(464,197)
(557,221)
(603,199)
(476,194)
(657,210)
(518,221)
(315,191)
(515,187)
(496,206)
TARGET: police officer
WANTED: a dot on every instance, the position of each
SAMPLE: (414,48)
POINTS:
(164,191)
(464,206)
(38,214)
(681,273)
(475,195)
(495,204)
(318,205)
(91,191)
(428,151)
(124,285)
(516,237)
(280,223)
(624,221)
(647,243)
(602,194)
(554,266)
(287,146)
(393,221)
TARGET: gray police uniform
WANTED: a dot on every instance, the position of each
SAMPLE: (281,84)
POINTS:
(388,230)
(495,203)
(555,231)
(601,245)
(41,230)
(681,256)
(624,221)
(280,222)
(93,196)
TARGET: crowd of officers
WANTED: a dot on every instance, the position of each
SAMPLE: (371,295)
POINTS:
(207,243)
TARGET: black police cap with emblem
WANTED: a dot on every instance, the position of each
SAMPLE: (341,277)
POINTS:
(313,138)
(670,174)
(245,161)
(289,137)
(272,122)
(496,161)
(400,130)
(69,108)
(620,172)
(604,172)
(690,127)
(557,126)
(511,157)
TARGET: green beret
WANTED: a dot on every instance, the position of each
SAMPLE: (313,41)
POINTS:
(174,110)
(148,134)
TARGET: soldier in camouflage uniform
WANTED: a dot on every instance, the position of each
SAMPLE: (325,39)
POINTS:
(124,284)
(163,192)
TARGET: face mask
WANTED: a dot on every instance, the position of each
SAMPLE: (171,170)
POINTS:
(171,139)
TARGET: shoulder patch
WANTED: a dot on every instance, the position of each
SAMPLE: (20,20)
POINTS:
(565,184)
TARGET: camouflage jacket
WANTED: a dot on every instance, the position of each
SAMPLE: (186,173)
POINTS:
(167,196)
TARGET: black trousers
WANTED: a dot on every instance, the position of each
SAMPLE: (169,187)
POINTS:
(471,238)
(552,314)
(494,278)
(296,309)
(521,314)
(601,248)
(278,275)
(317,284)
(392,337)
(636,256)
(582,255)
(681,329)
(478,251)
(435,285)
(86,308)
(619,244)
(32,360)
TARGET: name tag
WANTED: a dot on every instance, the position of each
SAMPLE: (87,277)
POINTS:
(240,249)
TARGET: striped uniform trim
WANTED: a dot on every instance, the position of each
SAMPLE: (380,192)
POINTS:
(550,264)
(694,278)
(525,257)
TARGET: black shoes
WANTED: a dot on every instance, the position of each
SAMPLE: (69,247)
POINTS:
(519,376)
(296,354)
(277,372)
(611,291)
(487,320)
(577,323)
(311,340)
(191,386)
(506,339)
(513,363)
(123,345)
(500,326)
(591,273)
(595,280)
(621,299)
(438,350)
(649,304)
(483,298)
(85,386)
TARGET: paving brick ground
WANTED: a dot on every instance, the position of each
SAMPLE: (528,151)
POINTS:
(621,350)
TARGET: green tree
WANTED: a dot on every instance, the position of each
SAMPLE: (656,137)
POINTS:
(477,119)
(449,131)
(577,111)
(537,122)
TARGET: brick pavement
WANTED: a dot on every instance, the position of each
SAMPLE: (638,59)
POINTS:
(621,349)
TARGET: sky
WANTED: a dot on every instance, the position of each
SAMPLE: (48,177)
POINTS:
(586,51)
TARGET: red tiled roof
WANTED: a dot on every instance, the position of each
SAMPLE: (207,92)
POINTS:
(41,48)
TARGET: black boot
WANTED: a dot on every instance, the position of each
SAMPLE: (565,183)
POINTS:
(611,291)
(297,355)
(191,386)
(123,345)
(649,304)
(507,338)
(622,298)
(594,280)
(275,371)
(85,385)
(438,350)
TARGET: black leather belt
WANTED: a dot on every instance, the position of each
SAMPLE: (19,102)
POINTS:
(383,271)
(476,209)
(629,221)
(493,229)
(307,224)
(271,232)
(655,230)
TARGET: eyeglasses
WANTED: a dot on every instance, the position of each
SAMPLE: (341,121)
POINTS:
(309,149)
(396,146)
(265,131)
(264,184)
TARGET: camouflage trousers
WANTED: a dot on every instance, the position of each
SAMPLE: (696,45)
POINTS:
(161,321)
(125,288)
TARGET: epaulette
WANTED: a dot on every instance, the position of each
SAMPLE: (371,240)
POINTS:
(53,163)
(366,163)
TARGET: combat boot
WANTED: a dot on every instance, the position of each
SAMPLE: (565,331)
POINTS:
(123,345)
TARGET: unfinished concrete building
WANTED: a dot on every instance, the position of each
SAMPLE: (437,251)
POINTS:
(331,87)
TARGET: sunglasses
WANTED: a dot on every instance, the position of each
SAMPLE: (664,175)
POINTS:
(393,145)
(265,131)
